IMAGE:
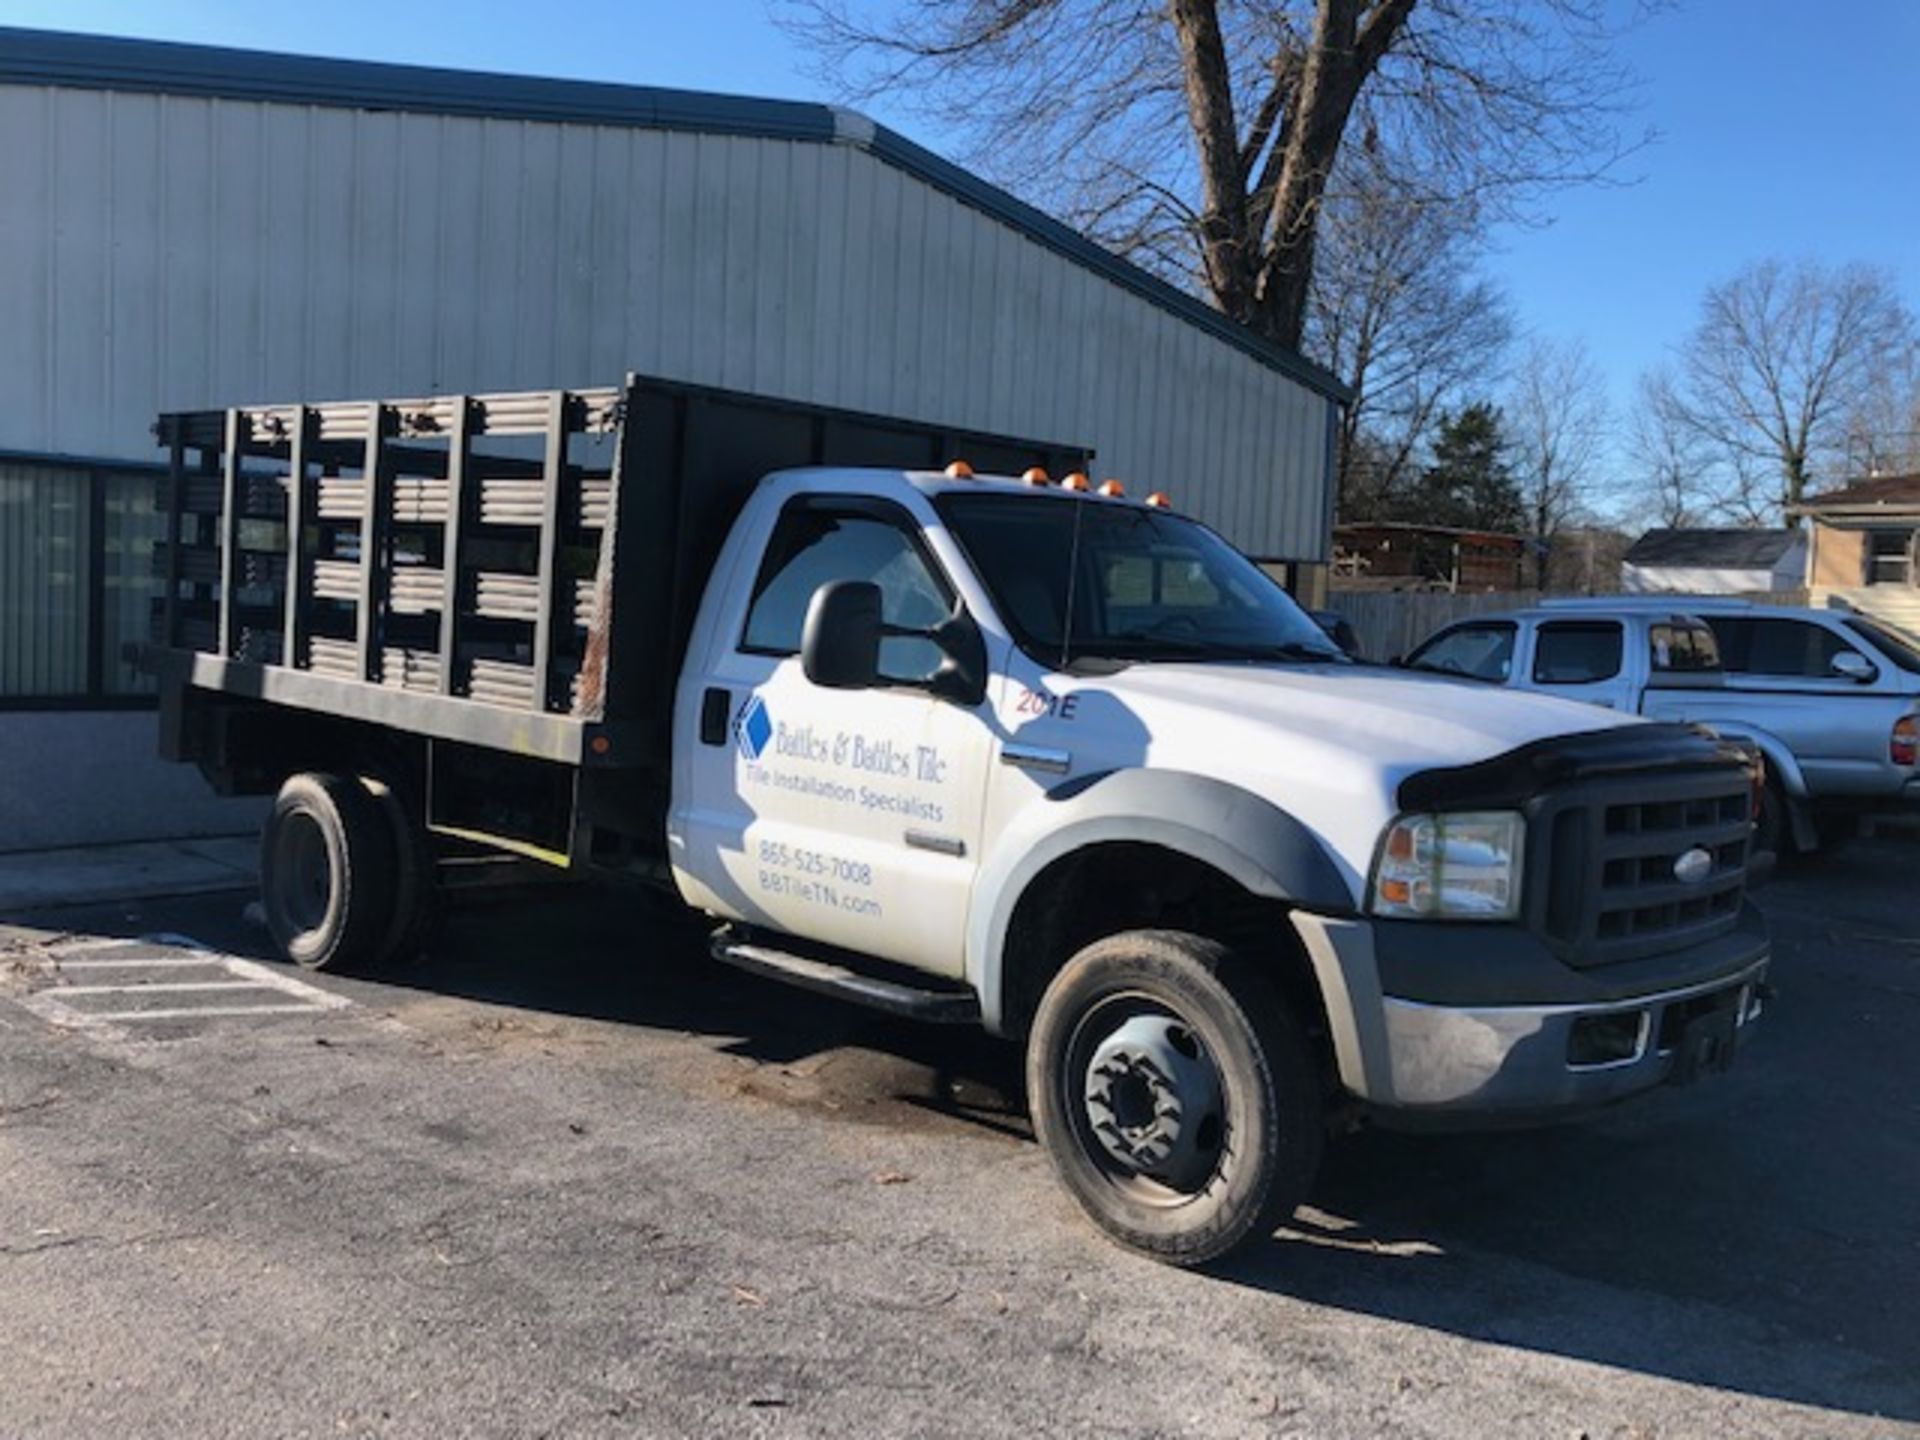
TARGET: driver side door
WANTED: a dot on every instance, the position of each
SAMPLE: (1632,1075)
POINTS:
(847,816)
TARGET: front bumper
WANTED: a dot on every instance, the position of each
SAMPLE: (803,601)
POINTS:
(1501,1054)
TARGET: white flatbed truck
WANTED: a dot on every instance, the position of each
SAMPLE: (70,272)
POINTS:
(987,745)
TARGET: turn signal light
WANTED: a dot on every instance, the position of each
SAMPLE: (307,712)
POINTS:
(959,470)
(1112,488)
(1158,500)
(1076,481)
(1036,476)
(1904,747)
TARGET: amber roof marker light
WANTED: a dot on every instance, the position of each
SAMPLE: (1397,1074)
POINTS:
(1112,489)
(958,470)
(1159,501)
(1034,475)
(1076,481)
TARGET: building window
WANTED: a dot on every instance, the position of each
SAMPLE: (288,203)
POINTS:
(76,582)
(1890,557)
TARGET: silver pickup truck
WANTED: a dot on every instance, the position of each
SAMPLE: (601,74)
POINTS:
(1830,697)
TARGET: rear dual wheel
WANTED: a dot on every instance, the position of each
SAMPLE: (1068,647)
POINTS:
(346,875)
(416,893)
(1176,1094)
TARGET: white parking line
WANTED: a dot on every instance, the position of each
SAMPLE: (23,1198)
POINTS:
(200,964)
(194,1012)
(273,979)
(65,950)
(157,987)
(286,995)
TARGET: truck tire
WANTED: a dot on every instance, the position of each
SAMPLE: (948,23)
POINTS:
(416,892)
(1176,1094)
(326,873)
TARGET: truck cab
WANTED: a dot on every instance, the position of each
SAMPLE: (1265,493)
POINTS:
(970,726)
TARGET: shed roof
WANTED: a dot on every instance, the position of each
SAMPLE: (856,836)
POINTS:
(92,62)
(1891,492)
(1717,549)
(1353,529)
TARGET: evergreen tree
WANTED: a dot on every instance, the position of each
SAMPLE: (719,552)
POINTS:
(1470,484)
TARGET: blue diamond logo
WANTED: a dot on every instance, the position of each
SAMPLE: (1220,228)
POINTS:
(753,729)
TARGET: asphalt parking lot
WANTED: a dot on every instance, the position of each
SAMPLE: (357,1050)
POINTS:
(565,1178)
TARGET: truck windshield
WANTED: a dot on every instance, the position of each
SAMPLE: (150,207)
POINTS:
(1080,580)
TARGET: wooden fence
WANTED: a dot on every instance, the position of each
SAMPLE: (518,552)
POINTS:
(1392,622)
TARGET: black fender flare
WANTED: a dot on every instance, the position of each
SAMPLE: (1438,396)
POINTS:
(1236,832)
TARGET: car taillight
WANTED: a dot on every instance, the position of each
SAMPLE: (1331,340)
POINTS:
(1904,747)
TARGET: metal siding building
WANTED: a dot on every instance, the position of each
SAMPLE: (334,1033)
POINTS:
(188,227)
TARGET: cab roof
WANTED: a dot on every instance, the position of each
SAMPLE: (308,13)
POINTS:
(876,480)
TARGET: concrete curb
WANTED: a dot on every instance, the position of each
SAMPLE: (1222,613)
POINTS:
(98,874)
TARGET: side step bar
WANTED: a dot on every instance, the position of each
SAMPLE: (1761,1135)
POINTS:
(946,1007)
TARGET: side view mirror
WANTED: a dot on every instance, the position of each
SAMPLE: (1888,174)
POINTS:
(1852,665)
(840,641)
(840,644)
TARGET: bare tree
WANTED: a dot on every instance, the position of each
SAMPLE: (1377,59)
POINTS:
(1665,455)
(1399,312)
(1782,357)
(1201,138)
(1557,418)
(1883,430)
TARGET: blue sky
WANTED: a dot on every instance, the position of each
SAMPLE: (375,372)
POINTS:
(1784,128)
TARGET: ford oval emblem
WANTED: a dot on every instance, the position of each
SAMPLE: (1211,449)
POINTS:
(1693,867)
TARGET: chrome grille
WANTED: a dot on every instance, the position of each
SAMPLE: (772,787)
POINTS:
(1609,849)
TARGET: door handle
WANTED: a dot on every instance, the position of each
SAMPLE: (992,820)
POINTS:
(715,706)
(1036,757)
(940,844)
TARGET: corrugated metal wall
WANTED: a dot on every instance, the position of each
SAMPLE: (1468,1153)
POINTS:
(164,252)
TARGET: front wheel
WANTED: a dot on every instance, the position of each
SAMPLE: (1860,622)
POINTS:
(1176,1094)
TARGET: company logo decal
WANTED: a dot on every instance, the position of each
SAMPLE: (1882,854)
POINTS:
(753,729)
(1693,867)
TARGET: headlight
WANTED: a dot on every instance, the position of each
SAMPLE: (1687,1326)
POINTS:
(1451,866)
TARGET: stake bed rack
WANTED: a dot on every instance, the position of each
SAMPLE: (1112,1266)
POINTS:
(517,572)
